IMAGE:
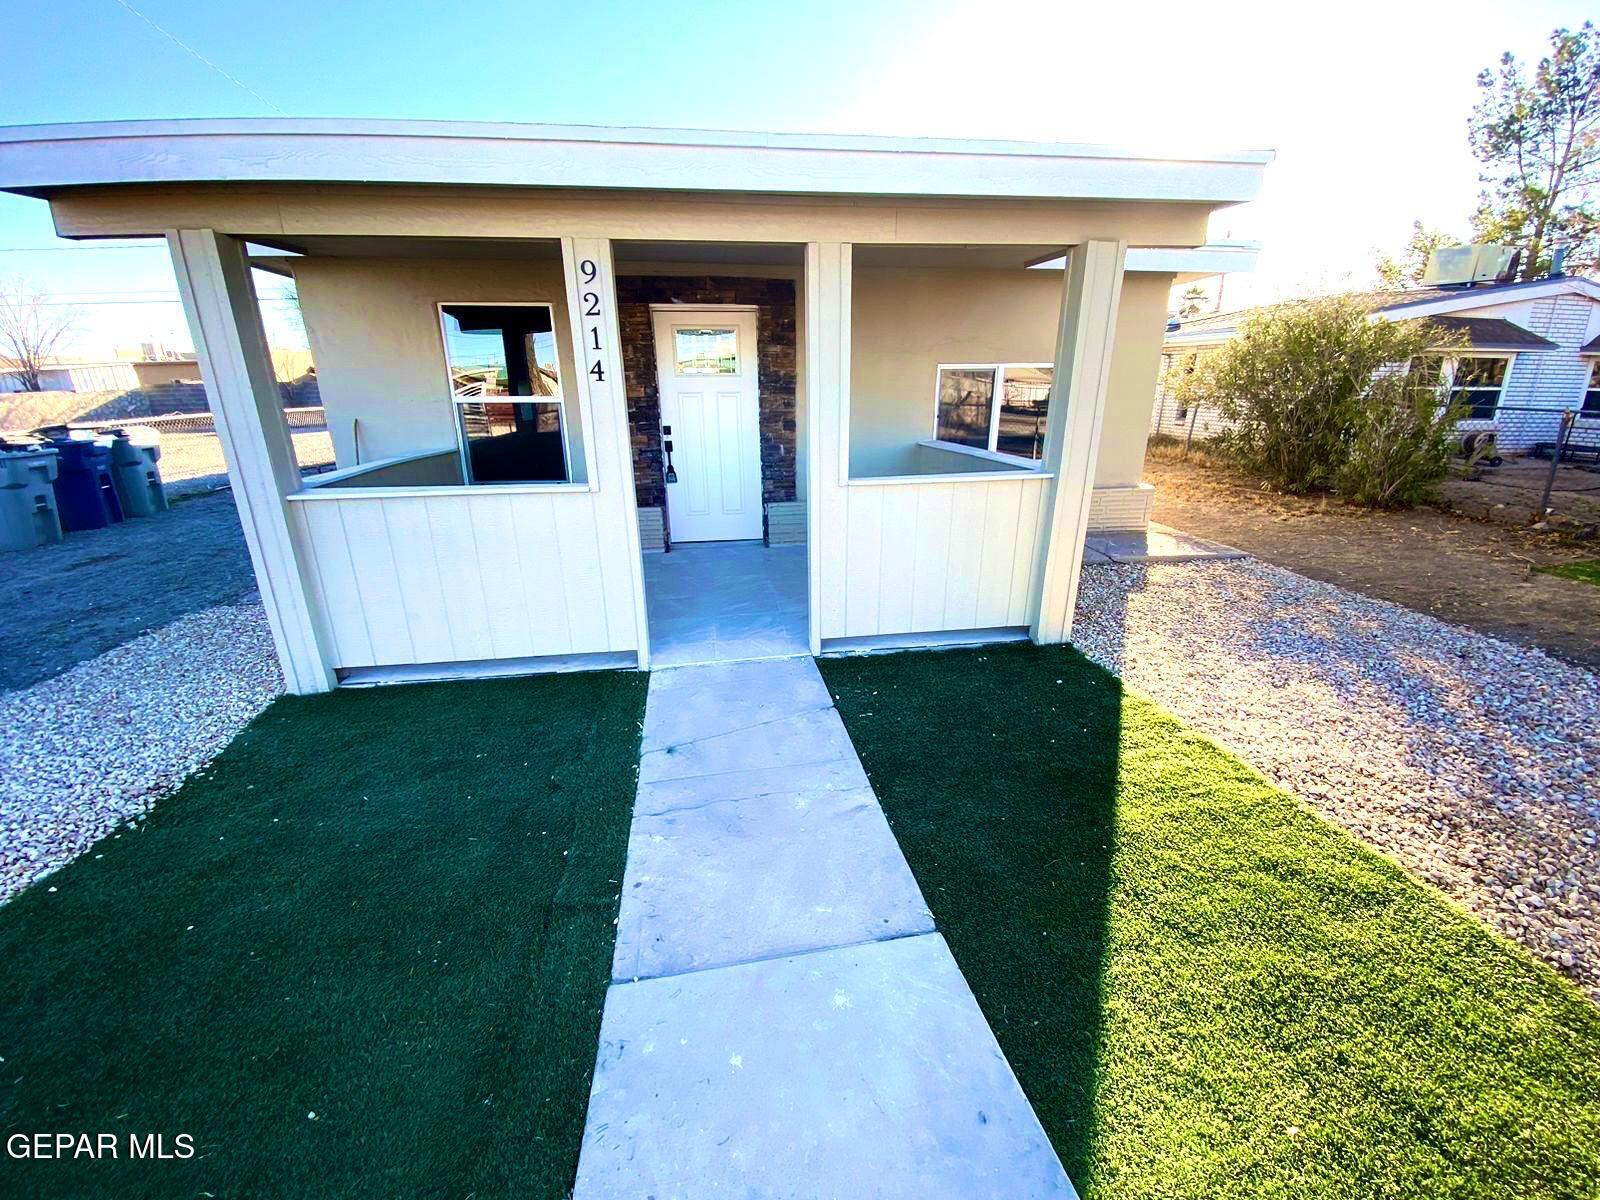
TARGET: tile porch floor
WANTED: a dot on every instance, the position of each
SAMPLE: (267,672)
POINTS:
(725,601)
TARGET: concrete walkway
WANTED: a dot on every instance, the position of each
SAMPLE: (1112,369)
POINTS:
(784,1019)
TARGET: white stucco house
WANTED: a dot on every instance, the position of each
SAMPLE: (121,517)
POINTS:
(1531,350)
(918,371)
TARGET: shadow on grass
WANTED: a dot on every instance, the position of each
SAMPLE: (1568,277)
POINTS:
(365,953)
(975,772)
(1204,989)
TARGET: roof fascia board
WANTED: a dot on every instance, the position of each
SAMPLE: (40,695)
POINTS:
(327,151)
(1471,298)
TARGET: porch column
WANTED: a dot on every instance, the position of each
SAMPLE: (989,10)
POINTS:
(220,301)
(827,358)
(1091,291)
(603,400)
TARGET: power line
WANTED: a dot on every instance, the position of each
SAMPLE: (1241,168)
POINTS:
(95,303)
(190,49)
(161,246)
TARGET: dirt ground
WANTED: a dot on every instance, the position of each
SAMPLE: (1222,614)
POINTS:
(1512,493)
(1469,572)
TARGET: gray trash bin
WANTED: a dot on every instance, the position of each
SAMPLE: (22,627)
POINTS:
(134,455)
(28,514)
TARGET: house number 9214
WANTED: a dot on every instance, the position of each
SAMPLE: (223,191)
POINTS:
(591,308)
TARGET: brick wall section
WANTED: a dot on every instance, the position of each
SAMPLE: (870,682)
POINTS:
(775,337)
(786,523)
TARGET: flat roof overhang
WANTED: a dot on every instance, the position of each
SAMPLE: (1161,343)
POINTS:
(39,159)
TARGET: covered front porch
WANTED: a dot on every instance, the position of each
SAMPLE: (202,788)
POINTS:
(596,465)
(550,356)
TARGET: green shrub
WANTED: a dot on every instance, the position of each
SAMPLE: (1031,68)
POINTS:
(1315,401)
(1400,446)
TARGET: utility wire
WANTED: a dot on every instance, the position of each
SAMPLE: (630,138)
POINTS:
(177,41)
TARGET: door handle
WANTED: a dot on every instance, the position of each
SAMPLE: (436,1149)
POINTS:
(672,473)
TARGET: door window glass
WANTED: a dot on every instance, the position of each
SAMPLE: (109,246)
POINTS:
(705,351)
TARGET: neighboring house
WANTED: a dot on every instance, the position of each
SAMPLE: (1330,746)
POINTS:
(118,375)
(1530,355)
(62,375)
(544,350)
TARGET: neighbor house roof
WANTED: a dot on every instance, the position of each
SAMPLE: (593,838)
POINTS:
(1492,333)
(41,158)
(1435,302)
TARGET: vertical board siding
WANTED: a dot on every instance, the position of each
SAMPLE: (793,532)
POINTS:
(457,578)
(932,557)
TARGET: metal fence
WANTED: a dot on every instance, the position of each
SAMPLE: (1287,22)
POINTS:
(1522,464)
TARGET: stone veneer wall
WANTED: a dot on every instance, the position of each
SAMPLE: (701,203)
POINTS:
(786,523)
(775,352)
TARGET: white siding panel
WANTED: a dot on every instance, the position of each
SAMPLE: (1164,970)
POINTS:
(538,562)
(863,559)
(494,541)
(462,577)
(378,581)
(998,553)
(1027,562)
(934,506)
(456,552)
(962,570)
(346,619)
(928,557)
(899,564)
(421,590)
(585,585)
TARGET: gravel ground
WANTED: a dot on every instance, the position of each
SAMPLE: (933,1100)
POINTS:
(1473,762)
(67,602)
(92,748)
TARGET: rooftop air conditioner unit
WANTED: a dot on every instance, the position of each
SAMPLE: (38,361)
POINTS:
(1482,263)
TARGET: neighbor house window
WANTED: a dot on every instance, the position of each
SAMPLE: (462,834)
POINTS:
(505,385)
(996,407)
(1475,384)
(1591,395)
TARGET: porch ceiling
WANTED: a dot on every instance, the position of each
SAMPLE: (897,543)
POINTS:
(970,257)
(334,246)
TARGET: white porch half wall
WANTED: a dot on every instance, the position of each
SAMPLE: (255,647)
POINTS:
(464,576)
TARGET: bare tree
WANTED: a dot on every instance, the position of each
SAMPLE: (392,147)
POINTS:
(30,330)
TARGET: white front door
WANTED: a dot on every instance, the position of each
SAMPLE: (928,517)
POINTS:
(710,422)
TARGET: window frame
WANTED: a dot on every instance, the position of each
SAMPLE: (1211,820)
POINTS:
(456,401)
(1590,387)
(996,403)
(1450,363)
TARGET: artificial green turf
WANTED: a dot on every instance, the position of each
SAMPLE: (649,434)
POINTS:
(1206,990)
(1584,571)
(391,908)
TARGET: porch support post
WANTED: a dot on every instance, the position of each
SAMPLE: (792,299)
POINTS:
(1091,292)
(602,398)
(827,355)
(220,301)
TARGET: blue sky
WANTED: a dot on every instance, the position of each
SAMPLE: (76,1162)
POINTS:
(1365,102)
